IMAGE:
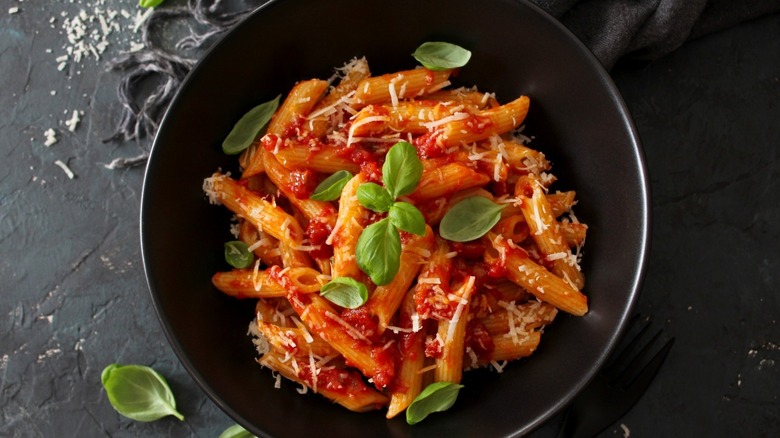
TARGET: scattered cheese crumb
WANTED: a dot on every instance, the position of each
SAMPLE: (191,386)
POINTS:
(51,137)
(73,123)
(66,169)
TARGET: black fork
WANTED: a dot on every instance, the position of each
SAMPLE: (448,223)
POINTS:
(620,384)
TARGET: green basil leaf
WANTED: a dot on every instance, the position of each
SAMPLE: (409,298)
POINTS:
(441,56)
(236,431)
(149,3)
(330,189)
(407,217)
(374,197)
(246,129)
(237,254)
(378,251)
(402,169)
(470,219)
(436,397)
(138,392)
(345,292)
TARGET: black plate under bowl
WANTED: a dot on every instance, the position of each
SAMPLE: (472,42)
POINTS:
(577,118)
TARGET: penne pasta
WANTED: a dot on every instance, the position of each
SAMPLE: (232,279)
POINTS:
(439,307)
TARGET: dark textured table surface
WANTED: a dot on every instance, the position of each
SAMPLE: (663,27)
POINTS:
(74,297)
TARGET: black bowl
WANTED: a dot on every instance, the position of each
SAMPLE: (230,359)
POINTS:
(577,117)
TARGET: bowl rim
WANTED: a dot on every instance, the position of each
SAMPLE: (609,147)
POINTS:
(644,229)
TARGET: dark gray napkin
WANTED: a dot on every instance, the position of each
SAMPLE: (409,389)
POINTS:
(612,29)
(648,29)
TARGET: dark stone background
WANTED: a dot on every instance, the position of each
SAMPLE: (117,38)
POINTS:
(74,297)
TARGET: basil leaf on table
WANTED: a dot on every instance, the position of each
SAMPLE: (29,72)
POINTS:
(236,431)
(378,251)
(237,254)
(470,219)
(407,217)
(330,188)
(345,292)
(402,169)
(374,197)
(441,56)
(246,129)
(436,397)
(149,3)
(138,392)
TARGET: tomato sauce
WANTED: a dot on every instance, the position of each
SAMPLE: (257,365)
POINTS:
(317,231)
(479,340)
(433,347)
(302,183)
(363,321)
(428,146)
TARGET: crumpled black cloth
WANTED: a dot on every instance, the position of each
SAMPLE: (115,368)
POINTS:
(648,29)
(612,29)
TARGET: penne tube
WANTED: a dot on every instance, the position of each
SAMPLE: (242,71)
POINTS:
(464,96)
(349,224)
(247,204)
(408,382)
(416,117)
(446,180)
(299,103)
(525,317)
(391,88)
(537,280)
(269,283)
(483,125)
(449,367)
(290,115)
(325,160)
(545,231)
(282,178)
(386,299)
(506,349)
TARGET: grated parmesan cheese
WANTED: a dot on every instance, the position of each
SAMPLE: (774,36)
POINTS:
(455,117)
(65,169)
(51,137)
(352,331)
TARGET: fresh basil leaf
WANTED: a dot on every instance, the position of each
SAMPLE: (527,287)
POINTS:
(441,56)
(407,217)
(246,129)
(345,292)
(236,431)
(149,3)
(436,397)
(470,219)
(237,254)
(138,392)
(330,188)
(378,251)
(402,169)
(374,197)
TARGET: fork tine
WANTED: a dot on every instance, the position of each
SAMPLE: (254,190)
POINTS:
(647,374)
(613,369)
(635,363)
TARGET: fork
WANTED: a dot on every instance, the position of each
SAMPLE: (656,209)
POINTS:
(620,384)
